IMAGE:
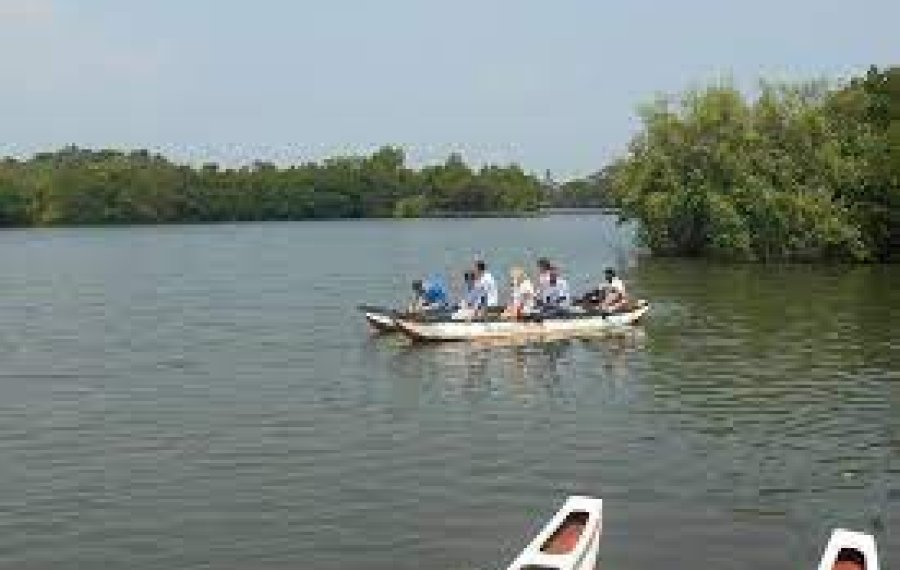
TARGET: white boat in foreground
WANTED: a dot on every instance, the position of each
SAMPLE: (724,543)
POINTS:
(570,541)
(848,550)
(576,324)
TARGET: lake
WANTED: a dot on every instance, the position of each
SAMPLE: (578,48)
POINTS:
(208,397)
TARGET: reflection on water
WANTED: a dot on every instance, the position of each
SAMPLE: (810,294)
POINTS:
(770,395)
(220,404)
(787,378)
(515,367)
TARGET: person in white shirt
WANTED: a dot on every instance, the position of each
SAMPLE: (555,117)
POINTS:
(472,303)
(486,284)
(609,296)
(556,298)
(523,295)
(612,292)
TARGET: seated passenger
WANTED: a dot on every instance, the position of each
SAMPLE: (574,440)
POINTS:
(610,295)
(484,280)
(543,277)
(430,295)
(613,289)
(474,300)
(523,297)
(556,298)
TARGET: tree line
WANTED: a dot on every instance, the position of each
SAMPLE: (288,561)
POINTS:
(81,186)
(798,172)
(805,171)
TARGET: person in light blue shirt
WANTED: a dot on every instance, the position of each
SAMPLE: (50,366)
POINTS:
(473,302)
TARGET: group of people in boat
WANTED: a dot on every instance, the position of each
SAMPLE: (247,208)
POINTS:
(550,296)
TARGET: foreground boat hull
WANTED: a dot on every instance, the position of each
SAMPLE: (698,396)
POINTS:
(445,331)
(570,541)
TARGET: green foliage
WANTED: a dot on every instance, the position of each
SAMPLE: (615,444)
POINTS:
(411,207)
(592,192)
(13,200)
(801,172)
(77,186)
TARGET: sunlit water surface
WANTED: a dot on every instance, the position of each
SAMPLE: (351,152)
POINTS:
(208,397)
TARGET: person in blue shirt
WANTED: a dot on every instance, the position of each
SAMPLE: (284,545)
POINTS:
(430,295)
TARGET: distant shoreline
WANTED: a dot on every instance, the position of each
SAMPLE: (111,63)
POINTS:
(544,213)
(84,187)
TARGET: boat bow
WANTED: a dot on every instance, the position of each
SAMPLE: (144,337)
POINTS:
(570,541)
(859,541)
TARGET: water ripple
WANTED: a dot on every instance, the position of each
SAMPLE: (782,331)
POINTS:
(220,404)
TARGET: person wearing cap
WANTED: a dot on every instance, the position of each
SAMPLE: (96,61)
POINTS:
(523,295)
(486,283)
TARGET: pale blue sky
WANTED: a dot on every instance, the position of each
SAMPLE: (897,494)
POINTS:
(549,84)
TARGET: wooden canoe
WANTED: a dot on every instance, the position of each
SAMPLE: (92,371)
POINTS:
(576,324)
(385,320)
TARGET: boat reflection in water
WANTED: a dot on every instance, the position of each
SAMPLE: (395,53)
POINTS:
(523,368)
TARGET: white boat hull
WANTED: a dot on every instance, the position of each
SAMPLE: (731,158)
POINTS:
(861,542)
(562,547)
(550,327)
(382,322)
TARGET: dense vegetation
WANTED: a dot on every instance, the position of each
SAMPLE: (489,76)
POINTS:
(77,186)
(593,191)
(800,172)
(797,172)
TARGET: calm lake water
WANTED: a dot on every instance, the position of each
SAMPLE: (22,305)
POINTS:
(208,397)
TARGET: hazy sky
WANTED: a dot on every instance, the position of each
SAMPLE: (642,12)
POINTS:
(548,83)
